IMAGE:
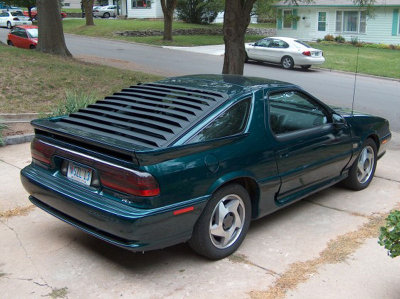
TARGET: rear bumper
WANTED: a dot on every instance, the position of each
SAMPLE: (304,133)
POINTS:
(107,219)
(307,60)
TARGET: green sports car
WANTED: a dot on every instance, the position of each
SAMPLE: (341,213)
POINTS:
(195,159)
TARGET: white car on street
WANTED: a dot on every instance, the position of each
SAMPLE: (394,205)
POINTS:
(288,52)
(10,19)
(105,11)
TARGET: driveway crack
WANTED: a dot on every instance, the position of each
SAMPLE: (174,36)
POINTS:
(10,164)
(336,209)
(387,179)
(26,254)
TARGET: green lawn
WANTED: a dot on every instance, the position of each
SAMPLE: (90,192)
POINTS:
(106,28)
(37,82)
(379,62)
(71,10)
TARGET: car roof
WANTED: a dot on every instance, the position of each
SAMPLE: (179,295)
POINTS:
(154,115)
(27,26)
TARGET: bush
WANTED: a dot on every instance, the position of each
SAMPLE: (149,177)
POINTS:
(2,127)
(340,39)
(73,102)
(198,11)
(390,234)
(329,38)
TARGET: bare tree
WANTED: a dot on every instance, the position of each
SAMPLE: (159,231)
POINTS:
(51,34)
(88,7)
(168,7)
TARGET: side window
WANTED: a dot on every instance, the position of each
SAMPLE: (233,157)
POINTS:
(277,43)
(291,111)
(231,122)
(263,43)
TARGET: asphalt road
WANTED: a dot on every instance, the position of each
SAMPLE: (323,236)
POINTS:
(372,95)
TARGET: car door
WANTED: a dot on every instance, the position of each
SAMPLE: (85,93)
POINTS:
(277,48)
(3,18)
(312,144)
(260,50)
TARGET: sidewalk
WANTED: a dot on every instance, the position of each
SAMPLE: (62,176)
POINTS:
(322,247)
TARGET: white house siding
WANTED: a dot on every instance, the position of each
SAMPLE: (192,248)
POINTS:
(155,12)
(378,26)
(72,4)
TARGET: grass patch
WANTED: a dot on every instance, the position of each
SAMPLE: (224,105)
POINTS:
(185,40)
(337,251)
(19,211)
(71,10)
(37,82)
(106,28)
(58,293)
(379,62)
(2,127)
(73,102)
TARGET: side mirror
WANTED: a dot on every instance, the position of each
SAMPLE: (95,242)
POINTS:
(338,121)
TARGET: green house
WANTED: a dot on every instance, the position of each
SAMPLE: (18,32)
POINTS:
(378,24)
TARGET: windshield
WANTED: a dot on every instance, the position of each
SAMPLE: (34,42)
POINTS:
(33,32)
(302,43)
(17,14)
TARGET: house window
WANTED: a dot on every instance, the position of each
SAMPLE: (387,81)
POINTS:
(351,21)
(398,26)
(141,3)
(287,18)
(322,21)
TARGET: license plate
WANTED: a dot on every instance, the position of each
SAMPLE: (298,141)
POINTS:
(79,174)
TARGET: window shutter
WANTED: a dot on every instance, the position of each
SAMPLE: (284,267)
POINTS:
(395,21)
(294,24)
(279,18)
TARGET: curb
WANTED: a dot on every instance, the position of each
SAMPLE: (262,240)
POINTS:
(18,139)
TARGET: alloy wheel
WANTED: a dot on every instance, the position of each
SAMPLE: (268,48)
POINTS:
(365,164)
(227,221)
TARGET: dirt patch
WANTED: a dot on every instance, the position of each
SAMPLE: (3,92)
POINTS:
(337,251)
(19,211)
(17,129)
(58,293)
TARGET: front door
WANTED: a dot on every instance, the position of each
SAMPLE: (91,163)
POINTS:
(322,24)
(310,150)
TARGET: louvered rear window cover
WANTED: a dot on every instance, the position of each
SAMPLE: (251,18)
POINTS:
(150,115)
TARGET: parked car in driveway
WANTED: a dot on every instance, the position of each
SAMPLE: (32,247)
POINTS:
(289,52)
(105,11)
(23,36)
(10,19)
(195,159)
(34,14)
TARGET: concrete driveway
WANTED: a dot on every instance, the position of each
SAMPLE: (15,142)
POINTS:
(322,247)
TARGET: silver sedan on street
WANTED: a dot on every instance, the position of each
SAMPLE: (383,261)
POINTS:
(10,19)
(288,52)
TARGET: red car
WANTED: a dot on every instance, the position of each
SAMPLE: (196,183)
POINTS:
(34,14)
(24,36)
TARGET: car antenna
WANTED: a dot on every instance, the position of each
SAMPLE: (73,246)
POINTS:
(355,83)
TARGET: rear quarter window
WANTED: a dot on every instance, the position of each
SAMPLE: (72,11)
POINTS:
(231,122)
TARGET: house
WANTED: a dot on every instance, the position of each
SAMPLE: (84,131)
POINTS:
(380,24)
(141,9)
(71,4)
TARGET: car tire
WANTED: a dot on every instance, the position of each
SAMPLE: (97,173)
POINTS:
(9,25)
(216,238)
(32,47)
(246,58)
(10,43)
(287,62)
(106,15)
(363,169)
(305,67)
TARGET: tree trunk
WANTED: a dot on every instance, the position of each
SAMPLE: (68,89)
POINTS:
(168,7)
(236,19)
(51,34)
(88,4)
(30,12)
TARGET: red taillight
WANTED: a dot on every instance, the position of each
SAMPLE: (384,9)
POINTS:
(128,181)
(41,152)
(307,53)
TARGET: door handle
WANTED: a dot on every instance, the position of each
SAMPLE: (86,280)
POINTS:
(283,153)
